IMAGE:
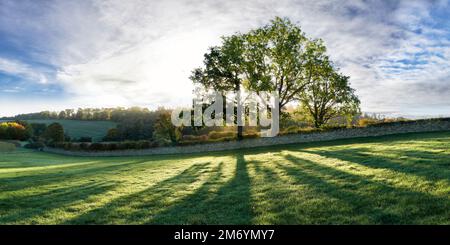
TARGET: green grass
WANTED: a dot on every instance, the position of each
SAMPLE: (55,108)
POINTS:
(402,179)
(77,128)
(5,147)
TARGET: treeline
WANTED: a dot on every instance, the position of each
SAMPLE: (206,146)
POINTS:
(88,114)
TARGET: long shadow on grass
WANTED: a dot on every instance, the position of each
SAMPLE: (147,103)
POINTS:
(21,209)
(416,163)
(53,176)
(229,204)
(142,205)
(375,201)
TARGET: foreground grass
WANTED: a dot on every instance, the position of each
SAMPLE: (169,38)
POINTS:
(387,180)
(5,147)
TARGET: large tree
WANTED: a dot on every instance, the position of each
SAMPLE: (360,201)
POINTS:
(275,58)
(279,58)
(223,68)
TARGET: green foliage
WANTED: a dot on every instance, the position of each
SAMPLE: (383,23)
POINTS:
(112,135)
(275,59)
(329,96)
(38,128)
(54,133)
(164,131)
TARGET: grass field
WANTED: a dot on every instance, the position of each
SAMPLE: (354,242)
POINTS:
(77,128)
(5,147)
(402,179)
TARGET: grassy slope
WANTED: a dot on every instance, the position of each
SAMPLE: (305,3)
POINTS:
(5,147)
(392,179)
(76,129)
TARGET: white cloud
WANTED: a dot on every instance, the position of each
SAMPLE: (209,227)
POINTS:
(17,68)
(141,52)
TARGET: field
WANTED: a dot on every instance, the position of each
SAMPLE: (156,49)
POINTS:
(76,129)
(403,179)
(5,147)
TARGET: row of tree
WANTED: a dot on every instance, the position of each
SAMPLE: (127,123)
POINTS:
(95,114)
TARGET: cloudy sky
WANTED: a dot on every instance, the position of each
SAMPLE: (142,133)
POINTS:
(69,54)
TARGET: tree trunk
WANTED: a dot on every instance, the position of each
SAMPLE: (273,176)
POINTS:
(240,129)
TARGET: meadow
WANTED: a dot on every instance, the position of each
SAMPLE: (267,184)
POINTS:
(399,179)
(6,147)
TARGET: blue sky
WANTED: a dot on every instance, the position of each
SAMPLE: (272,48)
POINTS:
(69,54)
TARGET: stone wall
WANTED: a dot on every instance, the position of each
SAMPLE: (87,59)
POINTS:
(376,130)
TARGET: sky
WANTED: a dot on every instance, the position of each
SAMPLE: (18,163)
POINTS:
(69,54)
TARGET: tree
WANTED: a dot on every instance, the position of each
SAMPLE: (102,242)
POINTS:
(15,130)
(223,68)
(164,131)
(62,115)
(329,95)
(54,133)
(275,60)
(112,135)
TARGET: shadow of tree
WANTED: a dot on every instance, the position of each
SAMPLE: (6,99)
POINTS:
(359,198)
(216,201)
(230,204)
(142,205)
(18,209)
(419,163)
(68,174)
